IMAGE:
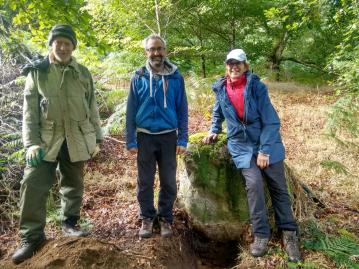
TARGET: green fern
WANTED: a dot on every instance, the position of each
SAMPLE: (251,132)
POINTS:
(16,143)
(342,249)
(18,156)
(338,167)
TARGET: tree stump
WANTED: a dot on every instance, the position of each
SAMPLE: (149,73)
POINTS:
(212,191)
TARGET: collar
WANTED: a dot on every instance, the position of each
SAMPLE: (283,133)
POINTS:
(168,68)
(73,63)
(240,81)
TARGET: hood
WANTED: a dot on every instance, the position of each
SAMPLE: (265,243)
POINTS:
(42,63)
(169,70)
(39,62)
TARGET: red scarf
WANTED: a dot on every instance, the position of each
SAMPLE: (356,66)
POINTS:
(235,91)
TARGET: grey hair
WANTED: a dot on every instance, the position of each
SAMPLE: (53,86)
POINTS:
(153,36)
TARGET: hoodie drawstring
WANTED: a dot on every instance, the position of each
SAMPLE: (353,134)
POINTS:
(150,84)
(164,85)
(164,91)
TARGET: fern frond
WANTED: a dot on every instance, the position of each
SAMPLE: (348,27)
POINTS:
(338,167)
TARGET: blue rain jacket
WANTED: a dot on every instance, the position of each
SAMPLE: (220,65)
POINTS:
(258,132)
(152,112)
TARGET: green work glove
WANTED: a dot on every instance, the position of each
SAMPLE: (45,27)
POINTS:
(34,155)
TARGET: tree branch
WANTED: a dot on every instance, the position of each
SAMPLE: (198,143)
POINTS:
(305,63)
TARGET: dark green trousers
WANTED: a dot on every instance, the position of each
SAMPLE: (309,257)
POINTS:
(34,192)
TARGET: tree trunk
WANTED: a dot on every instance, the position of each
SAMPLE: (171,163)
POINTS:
(203,63)
(276,57)
(157,18)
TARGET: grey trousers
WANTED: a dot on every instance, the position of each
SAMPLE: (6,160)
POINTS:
(276,182)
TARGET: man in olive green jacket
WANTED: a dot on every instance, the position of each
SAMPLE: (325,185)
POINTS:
(61,128)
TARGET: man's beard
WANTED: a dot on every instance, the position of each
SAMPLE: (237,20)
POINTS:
(158,62)
(62,58)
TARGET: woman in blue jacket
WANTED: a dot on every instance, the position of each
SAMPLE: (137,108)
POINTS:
(256,147)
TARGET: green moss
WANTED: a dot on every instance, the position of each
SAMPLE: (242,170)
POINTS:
(213,150)
(235,187)
(215,174)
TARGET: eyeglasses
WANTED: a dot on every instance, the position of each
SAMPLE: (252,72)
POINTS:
(158,49)
(232,63)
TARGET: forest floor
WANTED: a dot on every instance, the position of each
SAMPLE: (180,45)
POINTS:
(110,208)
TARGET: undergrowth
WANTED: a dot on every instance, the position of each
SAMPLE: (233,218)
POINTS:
(342,248)
(11,148)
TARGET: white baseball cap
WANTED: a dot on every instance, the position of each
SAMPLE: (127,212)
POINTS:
(236,54)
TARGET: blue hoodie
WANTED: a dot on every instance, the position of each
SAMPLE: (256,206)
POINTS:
(157,109)
(258,132)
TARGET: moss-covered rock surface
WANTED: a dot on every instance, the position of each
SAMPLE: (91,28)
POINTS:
(212,190)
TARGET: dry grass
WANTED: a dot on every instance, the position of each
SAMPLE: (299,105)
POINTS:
(303,115)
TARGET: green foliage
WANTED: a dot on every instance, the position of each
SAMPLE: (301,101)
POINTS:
(303,74)
(11,147)
(199,93)
(344,118)
(112,98)
(342,249)
(115,124)
(12,152)
(199,33)
(303,265)
(344,114)
(39,16)
(52,207)
(337,167)
(120,65)
(86,224)
(20,81)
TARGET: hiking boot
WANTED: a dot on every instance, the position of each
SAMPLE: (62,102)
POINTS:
(166,229)
(27,249)
(259,247)
(291,245)
(69,229)
(146,228)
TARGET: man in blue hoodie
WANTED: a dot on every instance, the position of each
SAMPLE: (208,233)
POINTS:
(156,130)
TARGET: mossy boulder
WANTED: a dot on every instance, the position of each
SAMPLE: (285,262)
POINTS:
(212,190)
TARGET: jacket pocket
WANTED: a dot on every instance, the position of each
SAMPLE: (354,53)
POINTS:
(77,110)
(51,108)
(89,135)
(47,133)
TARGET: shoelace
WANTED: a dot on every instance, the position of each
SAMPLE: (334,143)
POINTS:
(147,225)
(24,244)
(166,225)
(259,241)
(291,238)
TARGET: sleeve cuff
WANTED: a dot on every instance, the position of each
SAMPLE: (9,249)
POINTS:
(131,146)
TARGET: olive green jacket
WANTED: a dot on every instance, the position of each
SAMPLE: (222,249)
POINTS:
(59,104)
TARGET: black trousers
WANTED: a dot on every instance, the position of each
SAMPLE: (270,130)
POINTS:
(278,190)
(161,150)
